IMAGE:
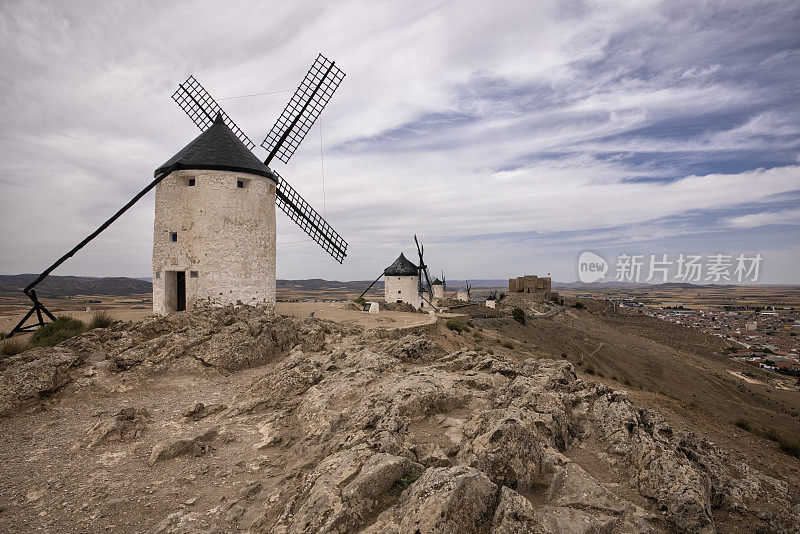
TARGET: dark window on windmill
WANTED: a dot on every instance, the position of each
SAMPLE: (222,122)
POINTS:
(240,184)
(173,236)
(191,182)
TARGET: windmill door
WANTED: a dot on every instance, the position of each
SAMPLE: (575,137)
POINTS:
(181,290)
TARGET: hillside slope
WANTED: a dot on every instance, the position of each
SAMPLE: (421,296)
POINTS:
(76,285)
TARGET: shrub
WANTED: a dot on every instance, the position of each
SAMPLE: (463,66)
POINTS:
(101,319)
(787,445)
(578,305)
(519,315)
(360,301)
(589,370)
(62,328)
(470,324)
(507,344)
(3,335)
(403,482)
(502,296)
(455,325)
(771,434)
(15,345)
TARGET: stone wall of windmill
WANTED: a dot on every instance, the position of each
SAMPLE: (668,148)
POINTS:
(402,284)
(403,289)
(220,233)
(529,284)
(438,290)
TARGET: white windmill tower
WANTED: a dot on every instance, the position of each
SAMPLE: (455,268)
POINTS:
(464,293)
(401,282)
(218,158)
(406,282)
(214,231)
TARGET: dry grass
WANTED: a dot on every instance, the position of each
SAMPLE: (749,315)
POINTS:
(455,325)
(61,329)
(787,445)
(101,319)
(13,346)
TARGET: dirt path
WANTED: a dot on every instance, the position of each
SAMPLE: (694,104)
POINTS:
(339,312)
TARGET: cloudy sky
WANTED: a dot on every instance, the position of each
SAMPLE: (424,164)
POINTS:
(509,136)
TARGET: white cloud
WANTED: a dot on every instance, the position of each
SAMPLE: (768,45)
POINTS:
(752,220)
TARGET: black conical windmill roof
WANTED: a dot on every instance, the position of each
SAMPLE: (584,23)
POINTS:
(216,149)
(401,267)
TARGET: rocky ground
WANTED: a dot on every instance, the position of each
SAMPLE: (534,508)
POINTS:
(214,421)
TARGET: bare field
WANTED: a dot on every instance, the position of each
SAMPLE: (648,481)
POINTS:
(13,307)
(695,297)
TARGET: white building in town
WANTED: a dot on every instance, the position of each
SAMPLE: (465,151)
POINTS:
(214,230)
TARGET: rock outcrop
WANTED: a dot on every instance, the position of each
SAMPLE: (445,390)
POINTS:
(223,339)
(332,431)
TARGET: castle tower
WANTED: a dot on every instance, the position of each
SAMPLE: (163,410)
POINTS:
(214,230)
(401,283)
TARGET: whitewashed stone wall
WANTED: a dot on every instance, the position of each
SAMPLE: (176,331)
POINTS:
(438,292)
(404,288)
(225,233)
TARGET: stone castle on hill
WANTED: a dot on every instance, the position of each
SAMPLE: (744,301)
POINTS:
(529,284)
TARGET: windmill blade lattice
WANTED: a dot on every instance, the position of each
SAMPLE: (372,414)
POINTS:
(309,220)
(201,107)
(300,113)
(423,267)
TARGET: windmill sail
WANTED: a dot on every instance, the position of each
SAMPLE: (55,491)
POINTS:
(310,221)
(201,107)
(311,97)
(423,268)
(302,110)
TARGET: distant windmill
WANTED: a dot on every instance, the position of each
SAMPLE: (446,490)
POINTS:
(224,148)
(406,282)
(465,293)
(439,288)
